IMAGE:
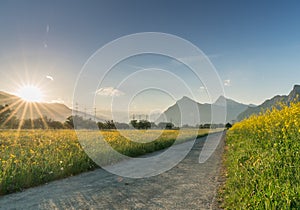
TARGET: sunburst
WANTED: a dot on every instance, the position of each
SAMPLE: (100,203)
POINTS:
(30,93)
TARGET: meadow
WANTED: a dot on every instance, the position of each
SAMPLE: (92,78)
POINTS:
(32,157)
(262,161)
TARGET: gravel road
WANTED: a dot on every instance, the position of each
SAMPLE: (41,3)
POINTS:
(189,185)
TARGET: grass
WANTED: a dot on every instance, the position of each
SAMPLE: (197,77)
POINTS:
(33,157)
(262,161)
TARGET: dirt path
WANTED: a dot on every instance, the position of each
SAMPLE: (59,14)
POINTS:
(189,185)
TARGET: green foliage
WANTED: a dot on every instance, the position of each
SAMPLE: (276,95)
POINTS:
(6,120)
(263,161)
(165,125)
(32,157)
(141,124)
(228,125)
(79,122)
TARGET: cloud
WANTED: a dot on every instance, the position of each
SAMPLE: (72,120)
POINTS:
(49,77)
(58,100)
(202,88)
(227,82)
(109,91)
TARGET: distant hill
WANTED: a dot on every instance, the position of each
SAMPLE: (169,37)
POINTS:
(273,102)
(55,111)
(183,111)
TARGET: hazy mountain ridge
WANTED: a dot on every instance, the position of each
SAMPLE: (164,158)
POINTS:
(54,111)
(183,111)
(187,106)
(293,96)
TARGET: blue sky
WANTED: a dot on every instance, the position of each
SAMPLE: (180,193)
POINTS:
(254,45)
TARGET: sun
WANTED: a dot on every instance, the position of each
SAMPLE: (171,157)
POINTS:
(30,93)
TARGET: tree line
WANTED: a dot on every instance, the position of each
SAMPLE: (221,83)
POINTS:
(9,121)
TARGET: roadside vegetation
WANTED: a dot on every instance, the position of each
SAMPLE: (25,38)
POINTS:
(262,161)
(33,157)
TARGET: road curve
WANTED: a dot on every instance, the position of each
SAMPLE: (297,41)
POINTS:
(189,185)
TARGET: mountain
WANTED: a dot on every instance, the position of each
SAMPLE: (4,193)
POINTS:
(273,102)
(183,111)
(23,110)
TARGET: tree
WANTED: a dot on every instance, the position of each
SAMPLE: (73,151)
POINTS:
(228,125)
(101,125)
(144,124)
(4,113)
(110,124)
(69,123)
(134,123)
(55,125)
(166,125)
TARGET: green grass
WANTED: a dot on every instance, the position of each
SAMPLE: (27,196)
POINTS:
(33,157)
(262,161)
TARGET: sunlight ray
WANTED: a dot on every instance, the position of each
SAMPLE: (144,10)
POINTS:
(40,114)
(31,116)
(13,113)
(50,110)
(22,117)
(11,105)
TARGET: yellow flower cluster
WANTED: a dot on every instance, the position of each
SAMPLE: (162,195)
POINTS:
(263,161)
(32,157)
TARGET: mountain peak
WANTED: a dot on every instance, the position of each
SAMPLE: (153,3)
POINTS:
(294,94)
(296,88)
(185,98)
(221,99)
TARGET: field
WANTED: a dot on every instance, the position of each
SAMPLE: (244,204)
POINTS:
(263,161)
(33,157)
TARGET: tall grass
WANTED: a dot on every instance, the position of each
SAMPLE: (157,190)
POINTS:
(32,157)
(263,161)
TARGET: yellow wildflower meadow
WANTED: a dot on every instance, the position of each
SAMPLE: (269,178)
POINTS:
(263,161)
(33,157)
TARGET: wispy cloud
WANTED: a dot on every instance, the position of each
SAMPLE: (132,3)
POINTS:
(58,100)
(227,82)
(49,77)
(109,91)
(202,88)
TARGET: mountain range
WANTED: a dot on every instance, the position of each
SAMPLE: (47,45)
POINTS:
(23,110)
(185,110)
(293,96)
(180,113)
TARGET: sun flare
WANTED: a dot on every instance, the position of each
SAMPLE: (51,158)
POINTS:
(30,93)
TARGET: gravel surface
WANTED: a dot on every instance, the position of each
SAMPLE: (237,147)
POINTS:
(189,185)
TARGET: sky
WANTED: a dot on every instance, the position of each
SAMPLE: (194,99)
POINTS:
(254,47)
